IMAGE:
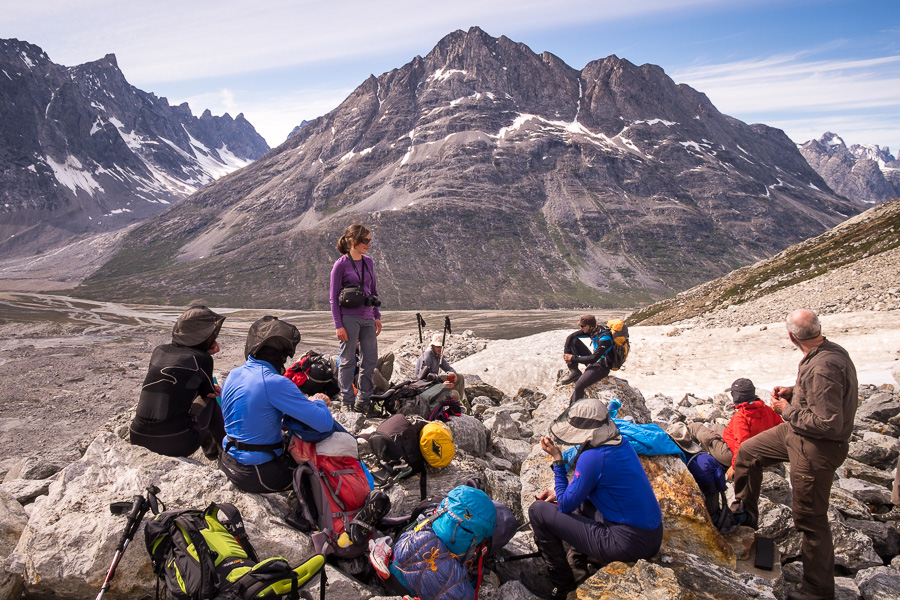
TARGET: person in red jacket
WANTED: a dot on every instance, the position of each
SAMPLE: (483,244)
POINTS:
(752,416)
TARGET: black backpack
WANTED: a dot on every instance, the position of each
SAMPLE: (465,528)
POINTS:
(426,398)
(313,374)
(395,445)
(200,557)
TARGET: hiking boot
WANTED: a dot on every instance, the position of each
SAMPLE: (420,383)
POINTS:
(746,519)
(361,407)
(571,377)
(561,592)
(347,408)
(377,505)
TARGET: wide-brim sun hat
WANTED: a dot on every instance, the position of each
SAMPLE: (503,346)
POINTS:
(437,340)
(586,420)
(680,434)
(196,325)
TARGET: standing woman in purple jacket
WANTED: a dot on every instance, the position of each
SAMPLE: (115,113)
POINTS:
(357,318)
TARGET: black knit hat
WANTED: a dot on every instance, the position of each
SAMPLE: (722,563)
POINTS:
(742,390)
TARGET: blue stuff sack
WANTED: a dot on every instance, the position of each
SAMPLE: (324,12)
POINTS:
(464,519)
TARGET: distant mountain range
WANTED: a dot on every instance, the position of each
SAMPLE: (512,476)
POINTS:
(866,174)
(82,150)
(492,177)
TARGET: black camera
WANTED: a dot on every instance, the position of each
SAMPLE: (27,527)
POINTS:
(372,301)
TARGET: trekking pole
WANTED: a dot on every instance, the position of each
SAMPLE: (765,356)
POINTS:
(446,331)
(421,322)
(138,508)
(506,559)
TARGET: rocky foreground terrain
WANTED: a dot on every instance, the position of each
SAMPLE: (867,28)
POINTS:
(57,535)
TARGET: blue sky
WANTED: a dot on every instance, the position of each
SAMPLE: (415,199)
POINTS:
(805,66)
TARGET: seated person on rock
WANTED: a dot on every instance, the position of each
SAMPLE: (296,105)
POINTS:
(177,412)
(434,361)
(608,512)
(255,399)
(752,416)
(575,352)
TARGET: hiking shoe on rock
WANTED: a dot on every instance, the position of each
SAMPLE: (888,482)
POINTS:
(561,592)
(362,408)
(746,519)
(572,376)
(347,408)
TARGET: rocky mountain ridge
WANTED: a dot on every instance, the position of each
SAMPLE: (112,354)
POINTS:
(84,151)
(492,177)
(866,174)
(853,267)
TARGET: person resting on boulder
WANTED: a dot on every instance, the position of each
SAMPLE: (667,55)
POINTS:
(575,352)
(432,361)
(255,399)
(608,512)
(752,416)
(177,412)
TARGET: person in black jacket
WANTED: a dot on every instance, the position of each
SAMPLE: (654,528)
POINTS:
(177,412)
(575,352)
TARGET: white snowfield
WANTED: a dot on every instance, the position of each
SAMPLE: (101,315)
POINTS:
(675,361)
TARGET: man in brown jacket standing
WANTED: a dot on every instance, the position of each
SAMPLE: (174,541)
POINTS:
(818,412)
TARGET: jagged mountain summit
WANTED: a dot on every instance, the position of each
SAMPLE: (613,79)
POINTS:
(867,174)
(82,150)
(492,177)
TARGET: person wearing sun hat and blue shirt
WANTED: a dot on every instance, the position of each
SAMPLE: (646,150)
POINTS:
(608,511)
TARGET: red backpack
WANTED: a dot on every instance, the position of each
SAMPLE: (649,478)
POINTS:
(331,488)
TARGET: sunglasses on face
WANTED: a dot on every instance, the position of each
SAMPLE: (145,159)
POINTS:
(366,241)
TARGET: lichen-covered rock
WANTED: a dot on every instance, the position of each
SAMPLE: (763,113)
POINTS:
(866,492)
(502,426)
(686,524)
(469,434)
(71,536)
(643,581)
(878,583)
(853,550)
(707,581)
(514,590)
(879,407)
(885,536)
(515,451)
(855,469)
(506,488)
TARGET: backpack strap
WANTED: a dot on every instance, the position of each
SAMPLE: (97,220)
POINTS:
(235,525)
(423,483)
(253,447)
(482,552)
(204,558)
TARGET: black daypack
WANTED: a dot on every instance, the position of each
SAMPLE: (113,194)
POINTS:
(313,374)
(426,398)
(200,557)
(395,446)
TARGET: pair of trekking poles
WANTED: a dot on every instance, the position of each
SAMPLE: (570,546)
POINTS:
(137,509)
(421,323)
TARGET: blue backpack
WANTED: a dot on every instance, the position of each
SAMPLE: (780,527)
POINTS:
(464,519)
(710,479)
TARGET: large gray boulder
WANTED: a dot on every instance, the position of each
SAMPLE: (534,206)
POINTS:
(469,434)
(12,523)
(879,583)
(66,548)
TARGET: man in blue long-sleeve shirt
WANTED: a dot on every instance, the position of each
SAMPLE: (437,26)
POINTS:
(255,398)
(608,511)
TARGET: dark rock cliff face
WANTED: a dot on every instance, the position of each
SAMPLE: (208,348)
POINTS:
(82,150)
(866,174)
(492,177)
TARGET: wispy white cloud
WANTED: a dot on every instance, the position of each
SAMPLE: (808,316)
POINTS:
(173,40)
(856,98)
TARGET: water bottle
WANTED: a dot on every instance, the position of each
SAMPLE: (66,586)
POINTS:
(613,407)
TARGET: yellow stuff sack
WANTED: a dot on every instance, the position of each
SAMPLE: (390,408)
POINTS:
(436,443)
